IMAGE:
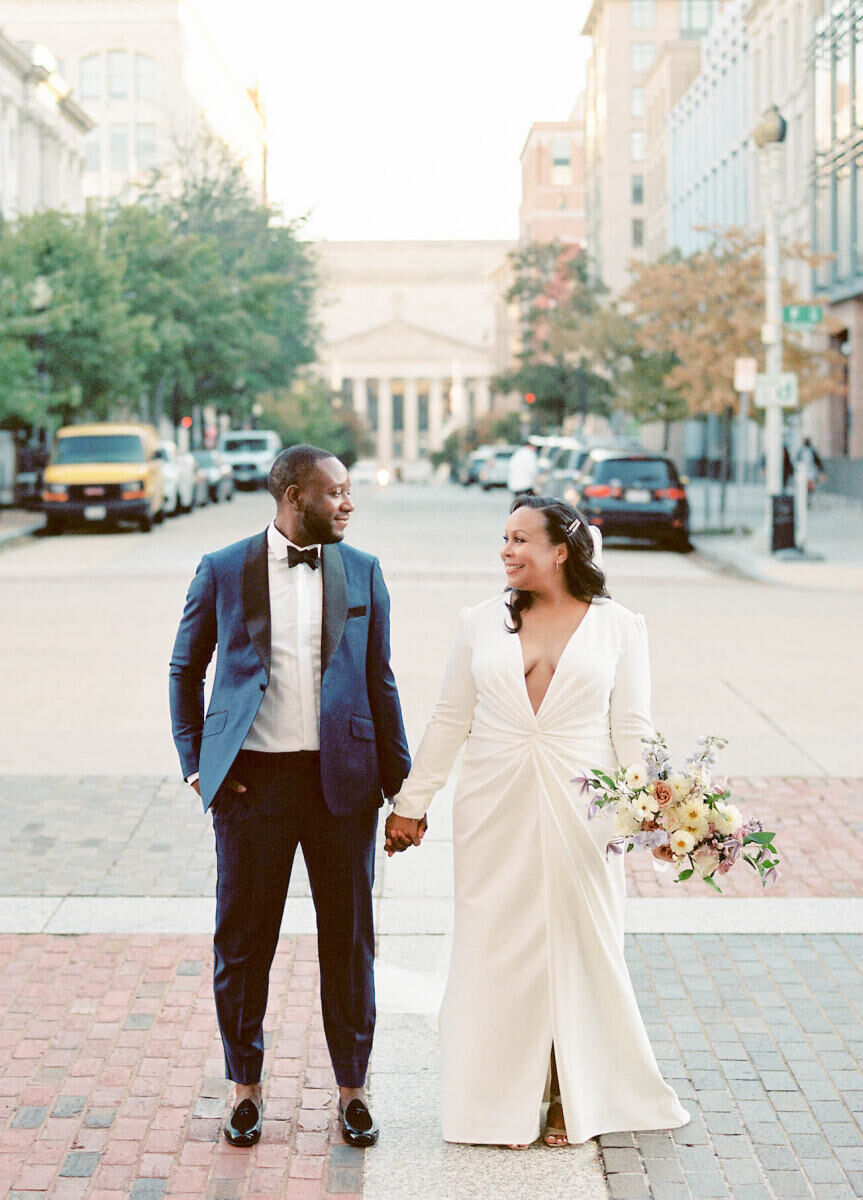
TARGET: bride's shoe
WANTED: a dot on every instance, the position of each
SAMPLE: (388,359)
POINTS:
(555,1135)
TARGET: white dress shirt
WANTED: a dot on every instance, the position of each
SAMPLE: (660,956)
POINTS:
(290,714)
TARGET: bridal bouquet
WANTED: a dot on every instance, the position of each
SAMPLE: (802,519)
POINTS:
(687,812)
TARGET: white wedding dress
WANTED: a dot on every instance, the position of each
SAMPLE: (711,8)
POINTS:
(538,936)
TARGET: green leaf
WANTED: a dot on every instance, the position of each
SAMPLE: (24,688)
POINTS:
(762,839)
(684,875)
(709,879)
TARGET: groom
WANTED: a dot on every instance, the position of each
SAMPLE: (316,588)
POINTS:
(302,739)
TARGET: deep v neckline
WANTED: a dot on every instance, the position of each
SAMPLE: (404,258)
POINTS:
(569,641)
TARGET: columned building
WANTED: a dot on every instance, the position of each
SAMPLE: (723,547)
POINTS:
(153,80)
(412,337)
(42,133)
(674,70)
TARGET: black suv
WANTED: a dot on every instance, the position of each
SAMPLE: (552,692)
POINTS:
(636,495)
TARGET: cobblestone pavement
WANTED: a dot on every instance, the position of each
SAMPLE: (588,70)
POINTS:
(105,836)
(111,1076)
(763,1039)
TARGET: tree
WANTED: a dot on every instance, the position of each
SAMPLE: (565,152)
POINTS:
(306,414)
(70,346)
(557,296)
(705,311)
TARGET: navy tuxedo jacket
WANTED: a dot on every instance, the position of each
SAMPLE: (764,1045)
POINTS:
(364,752)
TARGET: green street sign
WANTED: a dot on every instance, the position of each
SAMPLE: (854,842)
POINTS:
(802,315)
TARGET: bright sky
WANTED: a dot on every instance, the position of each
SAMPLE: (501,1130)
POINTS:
(400,119)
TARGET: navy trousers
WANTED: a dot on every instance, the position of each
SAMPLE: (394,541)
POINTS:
(257,834)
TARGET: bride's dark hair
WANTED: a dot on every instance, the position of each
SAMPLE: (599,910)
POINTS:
(583,578)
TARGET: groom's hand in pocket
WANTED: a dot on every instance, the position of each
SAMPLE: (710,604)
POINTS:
(401,832)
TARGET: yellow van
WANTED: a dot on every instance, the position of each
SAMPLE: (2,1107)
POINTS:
(105,472)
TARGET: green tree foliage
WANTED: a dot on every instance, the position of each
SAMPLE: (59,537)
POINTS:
(556,296)
(306,413)
(70,345)
(151,308)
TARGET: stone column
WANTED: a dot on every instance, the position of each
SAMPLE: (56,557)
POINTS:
(361,397)
(436,415)
(459,397)
(482,397)
(411,422)
(385,423)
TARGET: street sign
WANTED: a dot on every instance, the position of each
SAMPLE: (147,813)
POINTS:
(745,371)
(802,316)
(778,390)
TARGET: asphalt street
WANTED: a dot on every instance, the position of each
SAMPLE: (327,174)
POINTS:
(87,622)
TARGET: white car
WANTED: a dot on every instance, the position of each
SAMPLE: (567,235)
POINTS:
(178,471)
(366,471)
(250,453)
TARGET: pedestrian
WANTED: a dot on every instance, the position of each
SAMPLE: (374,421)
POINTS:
(523,466)
(302,738)
(545,682)
(812,464)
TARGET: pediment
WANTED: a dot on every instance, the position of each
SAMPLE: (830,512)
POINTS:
(401,340)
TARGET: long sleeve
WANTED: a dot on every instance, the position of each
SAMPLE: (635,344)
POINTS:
(193,649)
(629,710)
(446,731)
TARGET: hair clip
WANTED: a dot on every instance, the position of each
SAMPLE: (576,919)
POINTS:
(573,527)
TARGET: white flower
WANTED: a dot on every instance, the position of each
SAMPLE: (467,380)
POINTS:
(681,842)
(643,808)
(671,818)
(681,786)
(727,818)
(636,775)
(625,822)
(694,816)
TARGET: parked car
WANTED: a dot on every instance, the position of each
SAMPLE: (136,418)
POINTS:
(626,494)
(470,468)
(179,472)
(554,463)
(104,472)
(366,471)
(494,471)
(250,453)
(218,476)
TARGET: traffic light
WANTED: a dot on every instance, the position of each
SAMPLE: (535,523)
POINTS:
(186,422)
(529,398)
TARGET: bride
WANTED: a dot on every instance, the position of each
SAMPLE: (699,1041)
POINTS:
(543,682)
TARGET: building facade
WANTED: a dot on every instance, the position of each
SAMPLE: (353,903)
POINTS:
(626,38)
(412,336)
(675,68)
(42,133)
(552,181)
(150,75)
(836,67)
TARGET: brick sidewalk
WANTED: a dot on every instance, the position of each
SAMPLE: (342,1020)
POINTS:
(819,835)
(111,1076)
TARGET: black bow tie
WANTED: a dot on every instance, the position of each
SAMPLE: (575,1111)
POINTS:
(309,557)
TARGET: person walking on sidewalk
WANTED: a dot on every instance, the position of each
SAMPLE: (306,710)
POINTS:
(302,738)
(523,466)
(812,464)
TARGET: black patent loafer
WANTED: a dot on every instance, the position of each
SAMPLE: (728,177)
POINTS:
(358,1124)
(243,1126)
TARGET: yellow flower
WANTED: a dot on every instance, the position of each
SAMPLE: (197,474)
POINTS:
(681,842)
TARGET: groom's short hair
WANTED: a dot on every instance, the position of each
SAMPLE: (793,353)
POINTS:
(292,468)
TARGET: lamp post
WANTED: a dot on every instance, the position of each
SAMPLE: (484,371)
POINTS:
(768,135)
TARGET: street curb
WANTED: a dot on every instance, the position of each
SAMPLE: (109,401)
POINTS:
(8,537)
(728,566)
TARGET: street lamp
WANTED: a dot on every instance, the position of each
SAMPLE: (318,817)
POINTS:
(768,135)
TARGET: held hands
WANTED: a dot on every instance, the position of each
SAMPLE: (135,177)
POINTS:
(401,832)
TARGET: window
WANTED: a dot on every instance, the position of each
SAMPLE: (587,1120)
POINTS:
(636,108)
(843,223)
(643,54)
(642,13)
(145,147)
(561,163)
(860,216)
(636,142)
(118,83)
(90,77)
(842,86)
(120,148)
(858,82)
(92,151)
(696,16)
(637,233)
(823,238)
(823,103)
(638,189)
(145,77)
